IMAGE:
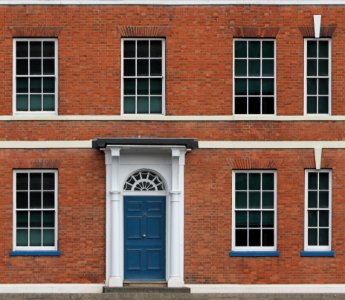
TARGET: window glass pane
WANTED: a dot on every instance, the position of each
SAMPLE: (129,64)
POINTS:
(312,199)
(311,48)
(323,181)
(323,67)
(312,218)
(35,67)
(311,67)
(240,49)
(254,219)
(268,105)
(241,237)
(22,200)
(268,67)
(267,181)
(48,49)
(22,102)
(323,86)
(22,85)
(254,67)
(49,85)
(156,105)
(254,49)
(323,105)
(240,67)
(129,105)
(267,199)
(267,49)
(268,86)
(254,237)
(22,237)
(241,200)
(48,219)
(268,219)
(312,181)
(35,219)
(22,219)
(241,181)
(323,199)
(22,49)
(129,48)
(35,237)
(48,237)
(129,67)
(143,49)
(323,49)
(241,219)
(254,86)
(143,105)
(35,181)
(35,199)
(323,218)
(311,105)
(35,49)
(156,86)
(311,86)
(48,102)
(323,237)
(48,200)
(22,181)
(312,237)
(241,86)
(254,181)
(240,105)
(142,67)
(22,66)
(156,67)
(267,237)
(48,181)
(129,86)
(254,199)
(35,103)
(35,85)
(156,49)
(254,105)
(48,67)
(143,86)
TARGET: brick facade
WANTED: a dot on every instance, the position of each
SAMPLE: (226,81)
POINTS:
(199,82)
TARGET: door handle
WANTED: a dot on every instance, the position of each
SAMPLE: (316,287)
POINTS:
(144,235)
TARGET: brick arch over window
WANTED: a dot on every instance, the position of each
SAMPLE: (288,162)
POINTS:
(144,180)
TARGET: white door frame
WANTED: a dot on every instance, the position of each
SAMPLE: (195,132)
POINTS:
(174,160)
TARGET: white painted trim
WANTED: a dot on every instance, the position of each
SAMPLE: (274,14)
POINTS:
(161,118)
(45,144)
(74,288)
(172,2)
(267,288)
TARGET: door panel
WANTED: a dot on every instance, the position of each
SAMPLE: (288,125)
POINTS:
(144,237)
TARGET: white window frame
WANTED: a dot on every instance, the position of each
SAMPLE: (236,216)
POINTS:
(14,72)
(306,246)
(233,240)
(255,77)
(34,248)
(163,76)
(329,77)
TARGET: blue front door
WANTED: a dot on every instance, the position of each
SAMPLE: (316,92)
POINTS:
(144,238)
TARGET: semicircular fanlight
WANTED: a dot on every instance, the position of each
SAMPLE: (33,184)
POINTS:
(144,181)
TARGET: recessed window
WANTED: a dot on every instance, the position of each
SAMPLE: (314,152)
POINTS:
(254,77)
(143,70)
(318,210)
(317,76)
(35,215)
(35,76)
(254,211)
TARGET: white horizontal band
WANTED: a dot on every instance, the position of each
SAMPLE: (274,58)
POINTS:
(45,144)
(268,288)
(172,2)
(215,118)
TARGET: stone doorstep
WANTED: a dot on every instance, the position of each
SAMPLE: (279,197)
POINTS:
(146,288)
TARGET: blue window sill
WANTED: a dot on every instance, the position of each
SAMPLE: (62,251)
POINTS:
(317,253)
(254,253)
(35,253)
